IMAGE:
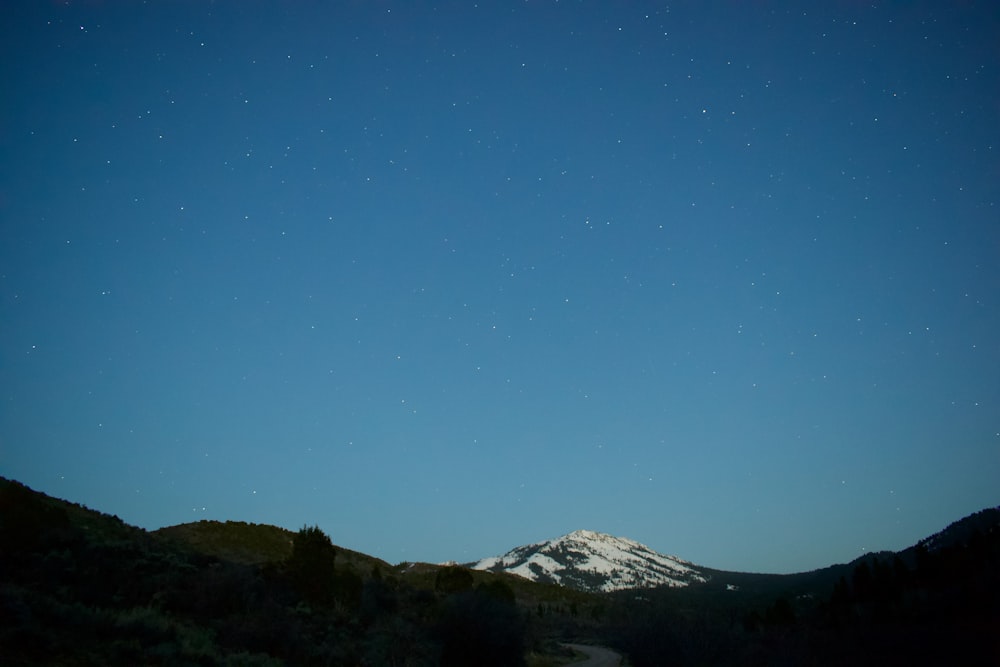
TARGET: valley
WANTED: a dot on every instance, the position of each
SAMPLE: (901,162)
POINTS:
(82,587)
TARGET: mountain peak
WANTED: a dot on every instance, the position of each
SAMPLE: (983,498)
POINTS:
(594,535)
(593,561)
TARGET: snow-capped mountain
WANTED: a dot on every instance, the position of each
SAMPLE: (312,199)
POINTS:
(592,561)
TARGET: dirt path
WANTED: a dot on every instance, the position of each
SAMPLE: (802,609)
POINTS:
(597,656)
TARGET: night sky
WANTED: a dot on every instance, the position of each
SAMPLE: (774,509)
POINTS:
(723,277)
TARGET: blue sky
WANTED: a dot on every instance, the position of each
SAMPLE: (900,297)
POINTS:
(723,278)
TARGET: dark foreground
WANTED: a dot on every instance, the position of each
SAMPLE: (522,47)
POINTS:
(82,588)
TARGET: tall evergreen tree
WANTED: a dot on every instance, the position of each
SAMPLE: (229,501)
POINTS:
(311,565)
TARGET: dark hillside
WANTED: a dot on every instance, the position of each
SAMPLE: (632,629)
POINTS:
(78,587)
(970,529)
(938,605)
(236,541)
(254,544)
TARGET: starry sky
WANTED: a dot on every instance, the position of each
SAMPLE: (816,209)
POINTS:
(443,279)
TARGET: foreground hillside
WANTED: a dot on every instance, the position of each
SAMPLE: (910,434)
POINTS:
(82,588)
(936,603)
(78,587)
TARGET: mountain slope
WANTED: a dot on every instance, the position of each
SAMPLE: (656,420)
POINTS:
(254,544)
(236,541)
(971,527)
(591,561)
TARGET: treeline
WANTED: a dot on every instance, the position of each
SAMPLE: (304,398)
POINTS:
(924,606)
(112,594)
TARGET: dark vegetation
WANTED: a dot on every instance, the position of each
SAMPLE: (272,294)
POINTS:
(937,603)
(78,587)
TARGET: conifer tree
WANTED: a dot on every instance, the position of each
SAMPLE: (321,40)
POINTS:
(311,565)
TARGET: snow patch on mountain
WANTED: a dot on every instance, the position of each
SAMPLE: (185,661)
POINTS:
(593,561)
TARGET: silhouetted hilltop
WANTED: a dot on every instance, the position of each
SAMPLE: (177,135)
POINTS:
(254,543)
(971,528)
(239,542)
